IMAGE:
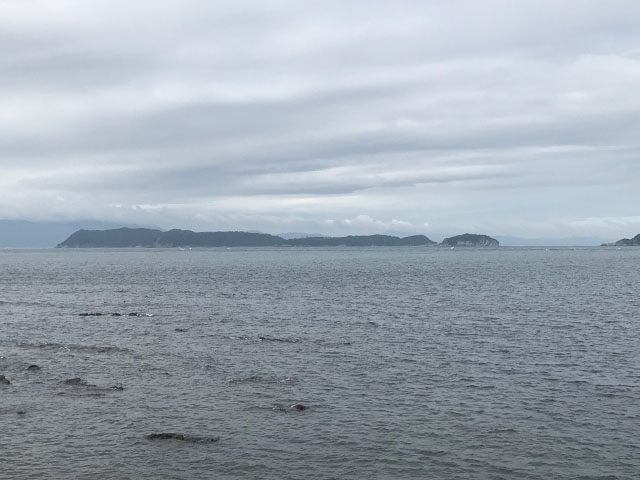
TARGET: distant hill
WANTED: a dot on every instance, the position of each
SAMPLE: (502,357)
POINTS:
(115,238)
(470,240)
(187,238)
(145,237)
(290,235)
(625,242)
(361,241)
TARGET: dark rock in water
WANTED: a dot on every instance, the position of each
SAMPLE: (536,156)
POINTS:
(33,368)
(21,412)
(4,380)
(298,406)
(181,437)
(77,381)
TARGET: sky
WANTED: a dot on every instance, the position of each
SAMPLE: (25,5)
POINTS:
(338,117)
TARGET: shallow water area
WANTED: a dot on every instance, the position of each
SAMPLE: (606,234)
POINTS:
(413,363)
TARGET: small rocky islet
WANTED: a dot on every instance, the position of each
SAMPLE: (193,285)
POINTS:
(470,240)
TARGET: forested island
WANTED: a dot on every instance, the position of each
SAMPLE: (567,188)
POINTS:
(470,240)
(151,238)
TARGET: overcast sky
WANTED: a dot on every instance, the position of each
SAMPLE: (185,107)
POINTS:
(437,117)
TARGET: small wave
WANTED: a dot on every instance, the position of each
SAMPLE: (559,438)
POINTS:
(74,348)
(504,430)
(263,379)
(26,303)
(332,343)
(265,338)
(480,387)
(80,383)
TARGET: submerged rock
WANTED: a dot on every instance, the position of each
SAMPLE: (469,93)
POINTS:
(33,368)
(77,381)
(4,380)
(181,437)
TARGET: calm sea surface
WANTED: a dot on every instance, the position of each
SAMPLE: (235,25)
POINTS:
(415,363)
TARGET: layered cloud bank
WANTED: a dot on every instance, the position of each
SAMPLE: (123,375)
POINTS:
(333,117)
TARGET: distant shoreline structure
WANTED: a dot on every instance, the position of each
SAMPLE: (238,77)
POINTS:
(153,238)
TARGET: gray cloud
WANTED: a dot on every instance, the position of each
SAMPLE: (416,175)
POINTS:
(337,116)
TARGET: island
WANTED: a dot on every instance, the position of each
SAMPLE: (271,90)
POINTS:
(153,238)
(625,242)
(470,240)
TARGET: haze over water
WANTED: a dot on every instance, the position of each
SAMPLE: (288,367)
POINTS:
(414,363)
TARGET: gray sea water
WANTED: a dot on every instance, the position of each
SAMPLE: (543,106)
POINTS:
(414,363)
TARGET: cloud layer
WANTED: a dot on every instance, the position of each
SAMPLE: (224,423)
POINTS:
(335,116)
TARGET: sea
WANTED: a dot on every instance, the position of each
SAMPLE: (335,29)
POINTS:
(405,363)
